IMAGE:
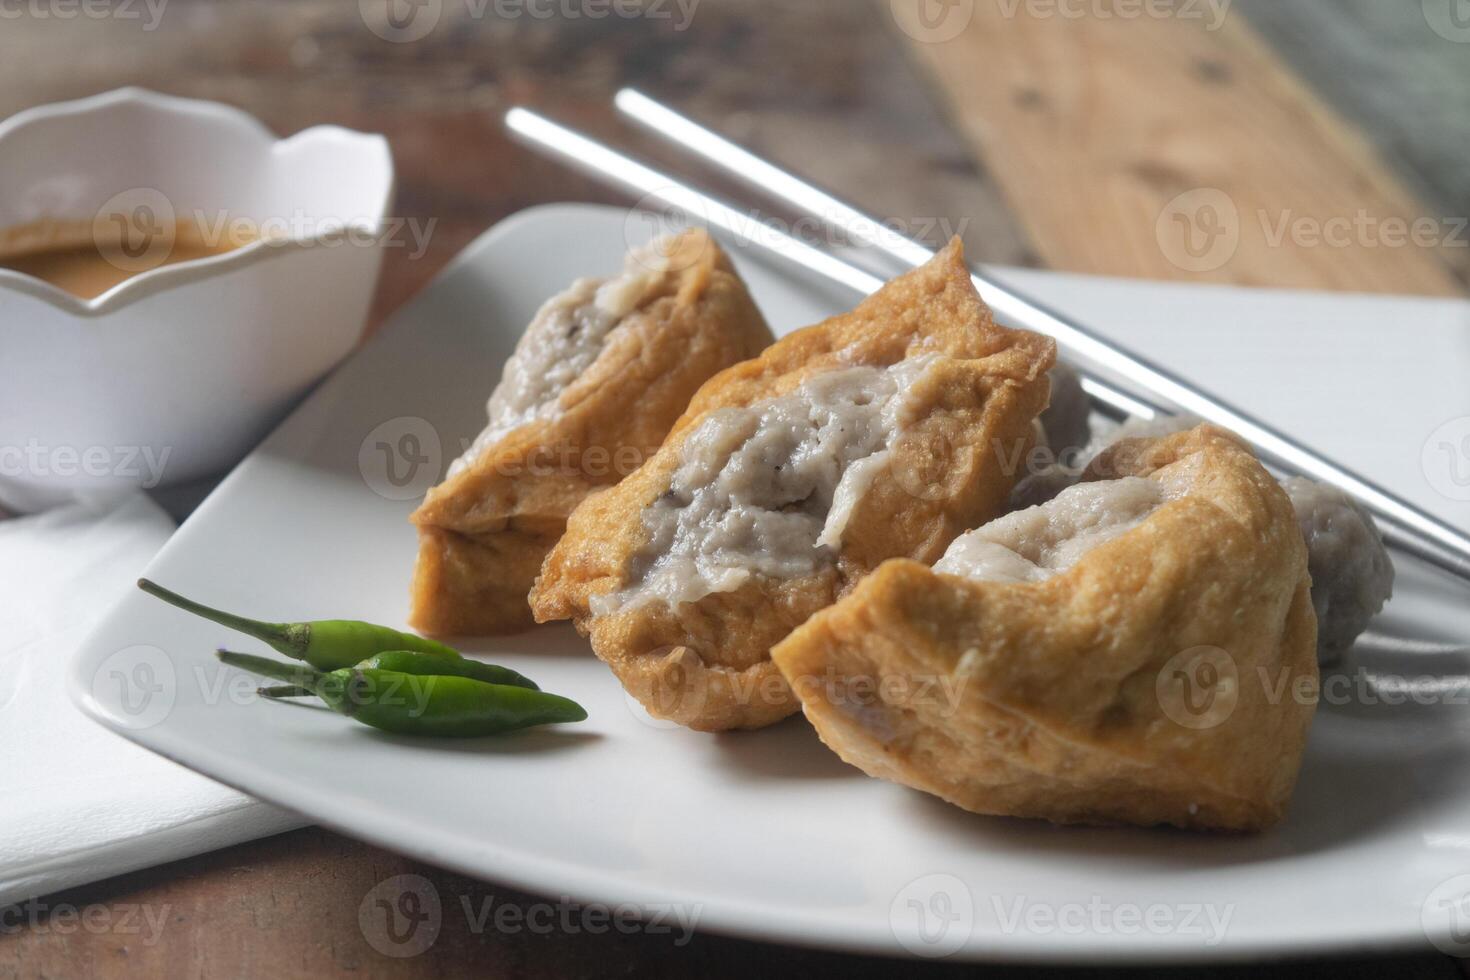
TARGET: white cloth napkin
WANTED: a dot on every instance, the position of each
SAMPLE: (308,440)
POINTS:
(78,803)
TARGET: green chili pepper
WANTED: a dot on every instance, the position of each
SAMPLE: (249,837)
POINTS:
(415,704)
(327,644)
(428,665)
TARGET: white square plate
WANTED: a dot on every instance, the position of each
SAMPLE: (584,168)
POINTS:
(767,834)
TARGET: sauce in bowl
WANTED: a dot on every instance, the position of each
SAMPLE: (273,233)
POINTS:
(87,262)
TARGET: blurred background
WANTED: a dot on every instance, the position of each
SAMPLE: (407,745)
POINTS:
(1313,144)
(1305,144)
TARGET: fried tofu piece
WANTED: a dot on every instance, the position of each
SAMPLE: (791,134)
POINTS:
(883,432)
(595,384)
(1140,650)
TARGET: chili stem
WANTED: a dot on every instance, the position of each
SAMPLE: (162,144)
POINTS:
(284,691)
(278,635)
(294,674)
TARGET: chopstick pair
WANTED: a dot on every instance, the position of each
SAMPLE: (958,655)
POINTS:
(1403,525)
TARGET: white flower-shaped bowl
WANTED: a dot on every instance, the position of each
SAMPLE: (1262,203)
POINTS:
(179,370)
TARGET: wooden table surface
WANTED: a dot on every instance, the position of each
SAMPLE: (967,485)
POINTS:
(1311,144)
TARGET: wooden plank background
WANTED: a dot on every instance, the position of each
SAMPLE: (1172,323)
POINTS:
(1091,143)
(1096,126)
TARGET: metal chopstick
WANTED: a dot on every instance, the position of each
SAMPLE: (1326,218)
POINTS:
(601,161)
(1404,525)
(1444,548)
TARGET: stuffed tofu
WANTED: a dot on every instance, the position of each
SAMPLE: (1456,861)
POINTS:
(1139,650)
(882,433)
(594,386)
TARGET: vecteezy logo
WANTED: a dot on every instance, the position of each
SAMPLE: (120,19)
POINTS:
(1446,459)
(654,217)
(933,21)
(1450,19)
(400,21)
(1199,231)
(140,681)
(1445,916)
(1199,687)
(933,916)
(401,916)
(136,229)
(678,690)
(401,458)
(930,464)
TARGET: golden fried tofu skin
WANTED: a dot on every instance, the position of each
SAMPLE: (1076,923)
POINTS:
(883,432)
(594,386)
(1140,650)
